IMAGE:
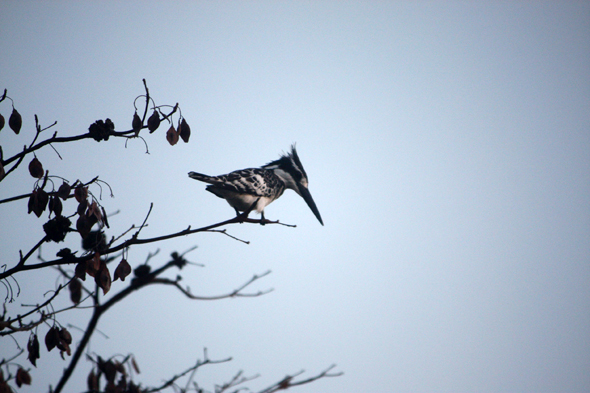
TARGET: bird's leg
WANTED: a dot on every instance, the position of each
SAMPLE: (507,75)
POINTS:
(238,215)
(247,211)
(262,218)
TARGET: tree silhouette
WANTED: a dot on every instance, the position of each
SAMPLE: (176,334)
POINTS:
(90,272)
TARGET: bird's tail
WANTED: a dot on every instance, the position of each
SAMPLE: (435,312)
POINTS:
(203,178)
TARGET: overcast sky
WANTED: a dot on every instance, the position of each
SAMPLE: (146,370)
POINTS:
(447,146)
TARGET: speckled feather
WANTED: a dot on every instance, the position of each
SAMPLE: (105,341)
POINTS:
(253,181)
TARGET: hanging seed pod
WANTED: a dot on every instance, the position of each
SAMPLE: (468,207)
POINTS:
(36,168)
(33,348)
(65,336)
(154,122)
(22,377)
(92,381)
(122,270)
(80,270)
(55,205)
(64,191)
(75,288)
(32,201)
(184,130)
(81,193)
(136,124)
(65,339)
(83,226)
(15,121)
(103,278)
(43,200)
(172,136)
(51,338)
(2,122)
(38,202)
(57,228)
(82,207)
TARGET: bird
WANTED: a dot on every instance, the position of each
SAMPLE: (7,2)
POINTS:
(255,188)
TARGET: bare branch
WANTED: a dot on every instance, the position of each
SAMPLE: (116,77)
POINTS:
(235,293)
(9,323)
(199,363)
(6,361)
(288,382)
(235,381)
(134,240)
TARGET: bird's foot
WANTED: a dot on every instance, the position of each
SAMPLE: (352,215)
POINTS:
(241,217)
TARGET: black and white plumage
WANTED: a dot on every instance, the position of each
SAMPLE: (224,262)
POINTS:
(255,188)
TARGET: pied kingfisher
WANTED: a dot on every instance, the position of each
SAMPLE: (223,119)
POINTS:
(255,188)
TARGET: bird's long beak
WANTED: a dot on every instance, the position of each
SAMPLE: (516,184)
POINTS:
(304,192)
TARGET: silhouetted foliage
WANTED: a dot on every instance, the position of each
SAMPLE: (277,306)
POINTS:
(89,273)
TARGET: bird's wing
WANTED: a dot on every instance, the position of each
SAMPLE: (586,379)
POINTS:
(252,181)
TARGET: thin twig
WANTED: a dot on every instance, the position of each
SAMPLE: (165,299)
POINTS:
(199,363)
(287,382)
(235,293)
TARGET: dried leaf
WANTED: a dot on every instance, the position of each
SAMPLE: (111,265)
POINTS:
(81,270)
(122,385)
(154,121)
(82,207)
(51,338)
(64,191)
(38,202)
(103,278)
(2,122)
(64,253)
(32,201)
(184,130)
(81,193)
(101,130)
(134,364)
(55,205)
(36,168)
(93,265)
(83,225)
(122,270)
(57,228)
(22,377)
(92,381)
(133,388)
(172,136)
(136,124)
(15,121)
(95,241)
(43,199)
(65,339)
(105,219)
(94,210)
(108,369)
(33,348)
(119,367)
(65,336)
(75,288)
(142,270)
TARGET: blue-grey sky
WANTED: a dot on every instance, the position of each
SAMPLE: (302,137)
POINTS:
(448,150)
